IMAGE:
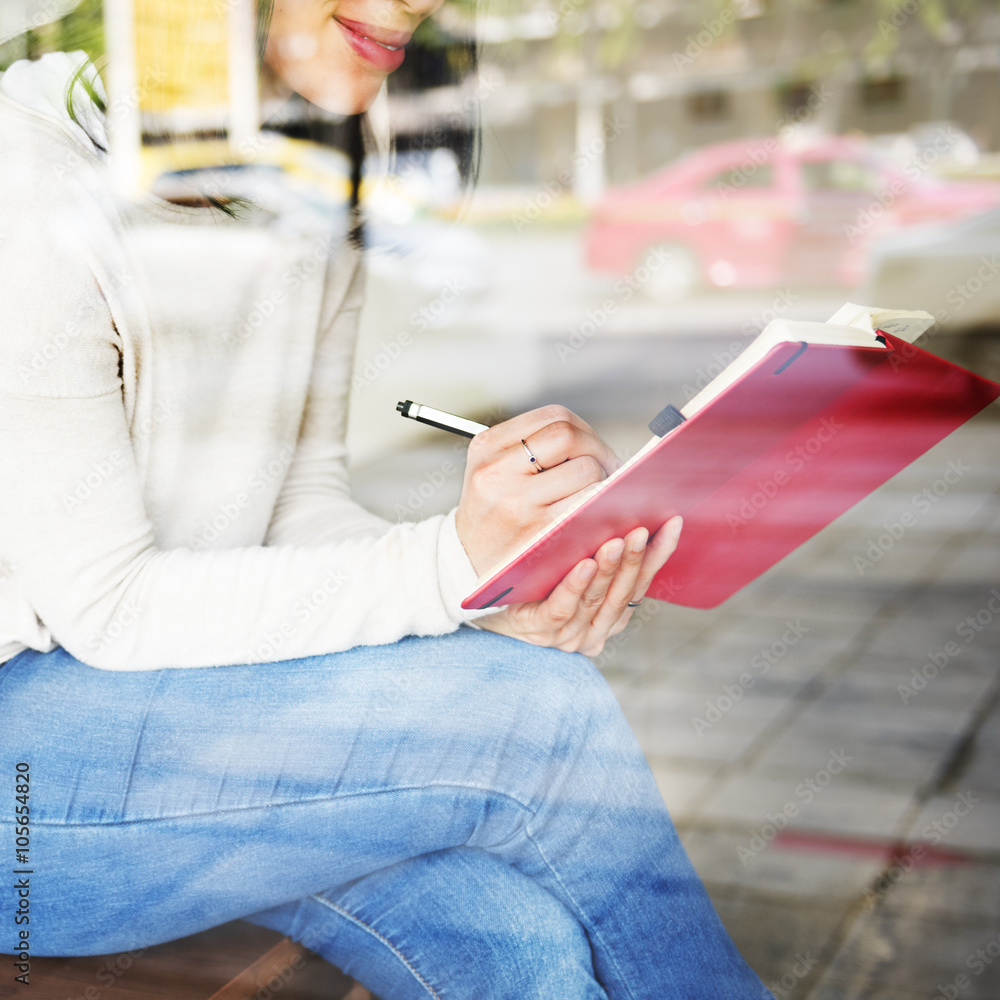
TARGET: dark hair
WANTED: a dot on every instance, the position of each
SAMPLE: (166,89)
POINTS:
(434,59)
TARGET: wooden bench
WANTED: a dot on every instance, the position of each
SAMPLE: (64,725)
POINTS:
(237,961)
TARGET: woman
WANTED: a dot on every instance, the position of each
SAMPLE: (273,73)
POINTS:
(234,693)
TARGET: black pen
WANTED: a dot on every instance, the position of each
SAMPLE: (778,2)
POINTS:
(439,418)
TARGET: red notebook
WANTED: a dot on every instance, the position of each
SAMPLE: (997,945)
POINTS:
(792,443)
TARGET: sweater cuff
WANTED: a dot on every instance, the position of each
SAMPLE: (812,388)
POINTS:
(456,576)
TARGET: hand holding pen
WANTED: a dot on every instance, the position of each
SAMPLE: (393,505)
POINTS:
(505,501)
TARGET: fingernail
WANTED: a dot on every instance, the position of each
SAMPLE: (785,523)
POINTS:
(675,527)
(639,542)
(587,570)
(616,549)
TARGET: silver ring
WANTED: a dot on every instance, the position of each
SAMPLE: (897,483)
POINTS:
(531,458)
(634,604)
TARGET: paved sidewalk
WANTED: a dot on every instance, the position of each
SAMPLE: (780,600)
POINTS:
(828,739)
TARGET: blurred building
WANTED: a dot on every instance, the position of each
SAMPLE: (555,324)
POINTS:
(675,75)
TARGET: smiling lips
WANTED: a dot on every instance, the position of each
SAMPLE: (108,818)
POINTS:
(378,46)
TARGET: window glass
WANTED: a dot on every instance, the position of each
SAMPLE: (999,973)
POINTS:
(839,175)
(749,176)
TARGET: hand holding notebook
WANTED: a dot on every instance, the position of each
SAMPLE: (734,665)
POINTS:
(807,421)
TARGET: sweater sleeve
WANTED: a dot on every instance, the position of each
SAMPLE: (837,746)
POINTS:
(332,577)
(315,504)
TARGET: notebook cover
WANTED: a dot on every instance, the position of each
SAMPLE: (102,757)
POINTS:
(795,442)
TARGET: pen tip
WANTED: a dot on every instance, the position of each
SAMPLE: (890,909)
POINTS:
(403,407)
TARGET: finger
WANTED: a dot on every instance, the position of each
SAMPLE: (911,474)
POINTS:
(657,551)
(561,605)
(660,549)
(563,435)
(571,606)
(565,482)
(623,585)
(525,424)
(562,440)
(608,558)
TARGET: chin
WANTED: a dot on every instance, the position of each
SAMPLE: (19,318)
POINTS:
(341,96)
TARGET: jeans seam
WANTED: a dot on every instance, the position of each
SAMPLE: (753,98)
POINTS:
(285,805)
(381,937)
(138,743)
(588,924)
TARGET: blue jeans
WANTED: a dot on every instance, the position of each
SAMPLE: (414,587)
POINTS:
(463,816)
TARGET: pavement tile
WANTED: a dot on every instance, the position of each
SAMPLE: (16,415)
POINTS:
(674,736)
(942,820)
(987,743)
(703,701)
(888,717)
(778,938)
(969,890)
(727,662)
(925,642)
(977,562)
(843,806)
(835,989)
(982,774)
(823,600)
(646,703)
(907,559)
(892,951)
(763,684)
(680,783)
(800,873)
(765,628)
(895,760)
(960,682)
(919,632)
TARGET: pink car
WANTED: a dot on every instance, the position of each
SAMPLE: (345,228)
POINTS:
(762,213)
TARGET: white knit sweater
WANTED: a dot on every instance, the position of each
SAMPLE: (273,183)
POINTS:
(173,399)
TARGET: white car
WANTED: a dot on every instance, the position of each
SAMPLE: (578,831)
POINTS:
(950,269)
